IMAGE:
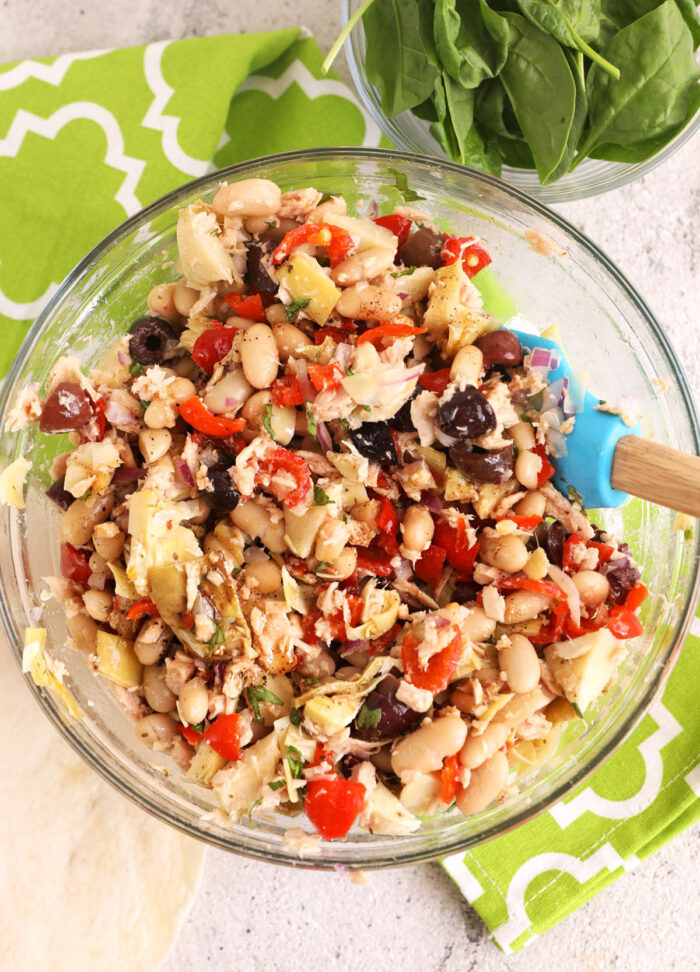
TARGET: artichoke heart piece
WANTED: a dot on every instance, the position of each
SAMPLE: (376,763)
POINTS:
(454,317)
(359,687)
(205,764)
(381,608)
(117,661)
(592,662)
(304,279)
(330,715)
(240,784)
(300,531)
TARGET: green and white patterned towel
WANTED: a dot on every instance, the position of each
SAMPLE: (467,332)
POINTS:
(88,139)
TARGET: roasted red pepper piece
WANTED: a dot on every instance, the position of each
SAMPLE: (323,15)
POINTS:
(73,565)
(196,414)
(141,608)
(375,561)
(282,460)
(624,623)
(251,307)
(387,519)
(381,643)
(449,783)
(441,666)
(389,330)
(398,225)
(335,333)
(337,242)
(332,805)
(286,391)
(530,584)
(586,625)
(605,551)
(224,735)
(553,630)
(456,545)
(574,549)
(474,256)
(547,470)
(637,596)
(325,377)
(525,522)
(213,345)
(190,734)
(435,381)
(429,565)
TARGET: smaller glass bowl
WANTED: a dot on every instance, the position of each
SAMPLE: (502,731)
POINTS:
(407,131)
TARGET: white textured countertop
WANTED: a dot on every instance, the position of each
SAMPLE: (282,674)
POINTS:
(259,917)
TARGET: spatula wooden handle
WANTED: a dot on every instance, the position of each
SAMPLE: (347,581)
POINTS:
(656,473)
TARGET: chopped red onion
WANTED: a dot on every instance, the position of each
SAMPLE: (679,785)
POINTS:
(323,436)
(544,358)
(372,209)
(183,470)
(127,474)
(298,366)
(98,582)
(123,358)
(358,644)
(402,295)
(117,414)
(431,501)
(404,569)
(232,402)
(407,376)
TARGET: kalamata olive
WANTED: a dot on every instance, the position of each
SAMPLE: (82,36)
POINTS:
(224,495)
(374,440)
(556,538)
(500,349)
(149,340)
(348,762)
(423,249)
(622,579)
(256,274)
(395,718)
(67,408)
(465,591)
(61,497)
(466,415)
(482,466)
(402,421)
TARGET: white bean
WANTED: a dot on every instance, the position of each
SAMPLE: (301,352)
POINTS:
(368,302)
(193,702)
(154,443)
(527,469)
(507,553)
(331,540)
(157,730)
(108,540)
(227,395)
(152,641)
(83,631)
(263,576)
(362,266)
(98,604)
(259,356)
(485,784)
(593,588)
(523,435)
(520,663)
(468,365)
(530,505)
(249,197)
(290,339)
(155,689)
(184,298)
(417,528)
(161,302)
(524,606)
(424,750)
(160,415)
(477,749)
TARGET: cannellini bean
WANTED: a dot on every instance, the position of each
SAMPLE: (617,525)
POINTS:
(263,576)
(154,443)
(468,365)
(523,435)
(520,664)
(477,749)
(593,588)
(417,528)
(160,415)
(97,564)
(158,730)
(83,631)
(255,520)
(276,314)
(522,706)
(368,302)
(524,606)
(79,520)
(530,505)
(181,389)
(161,302)
(193,701)
(331,540)
(343,566)
(336,205)
(507,553)
(289,339)
(424,750)
(527,468)
(249,197)
(98,604)
(362,266)
(155,689)
(108,540)
(477,626)
(485,784)
(151,641)
(184,298)
(229,394)
(254,411)
(259,356)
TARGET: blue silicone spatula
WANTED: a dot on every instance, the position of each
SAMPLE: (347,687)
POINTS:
(607,460)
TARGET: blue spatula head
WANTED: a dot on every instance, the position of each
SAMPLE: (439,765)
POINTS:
(587,464)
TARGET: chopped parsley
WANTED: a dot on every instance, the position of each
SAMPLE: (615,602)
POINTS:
(295,306)
(404,273)
(344,423)
(312,424)
(256,695)
(310,681)
(367,408)
(267,420)
(574,496)
(326,197)
(320,566)
(295,761)
(368,718)
(688,534)
(525,418)
(401,183)
(348,371)
(136,369)
(216,231)
(236,571)
(294,717)
(144,405)
(199,727)
(276,784)
(321,497)
(217,638)
(252,807)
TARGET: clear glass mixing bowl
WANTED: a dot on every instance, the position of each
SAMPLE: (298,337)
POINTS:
(608,331)
(407,131)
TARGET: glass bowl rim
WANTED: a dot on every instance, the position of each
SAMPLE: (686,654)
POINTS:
(627,172)
(395,856)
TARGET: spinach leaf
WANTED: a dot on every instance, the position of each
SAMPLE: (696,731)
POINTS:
(471,40)
(654,97)
(395,60)
(640,151)
(575,59)
(541,89)
(460,110)
(514,152)
(622,13)
(571,22)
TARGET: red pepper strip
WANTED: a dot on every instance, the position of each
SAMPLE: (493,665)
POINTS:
(389,330)
(338,242)
(325,377)
(282,460)
(73,565)
(435,676)
(387,519)
(547,470)
(435,381)
(456,545)
(251,307)
(587,624)
(571,558)
(336,334)
(140,608)
(605,551)
(524,522)
(449,784)
(286,391)
(188,620)
(375,561)
(530,584)
(320,756)
(381,643)
(398,225)
(190,734)
(553,631)
(429,565)
(636,596)
(474,256)
(213,345)
(224,735)
(196,414)
(624,623)
(332,805)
